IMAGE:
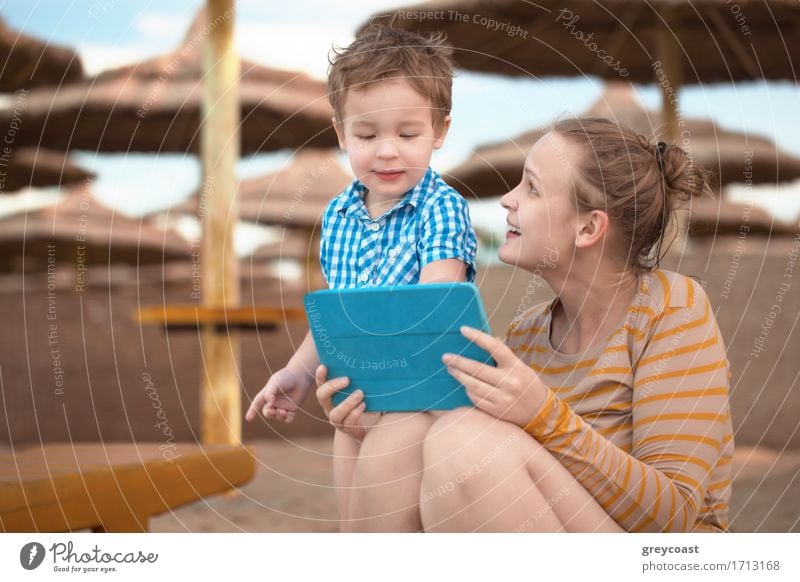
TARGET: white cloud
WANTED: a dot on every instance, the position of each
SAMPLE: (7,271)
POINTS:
(100,57)
(296,46)
(158,25)
(781,201)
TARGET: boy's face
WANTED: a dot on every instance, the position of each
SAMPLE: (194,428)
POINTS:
(387,132)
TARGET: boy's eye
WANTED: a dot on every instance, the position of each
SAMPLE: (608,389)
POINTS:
(408,135)
(365,136)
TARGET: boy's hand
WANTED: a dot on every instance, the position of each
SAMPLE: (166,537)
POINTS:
(349,416)
(281,397)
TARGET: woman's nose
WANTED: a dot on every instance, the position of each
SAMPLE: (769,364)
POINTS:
(508,202)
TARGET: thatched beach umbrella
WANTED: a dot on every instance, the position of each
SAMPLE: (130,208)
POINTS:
(27,62)
(730,156)
(80,231)
(661,41)
(291,247)
(296,195)
(712,216)
(155,106)
(293,196)
(29,168)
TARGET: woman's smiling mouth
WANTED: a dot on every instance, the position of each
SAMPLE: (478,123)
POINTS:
(512,232)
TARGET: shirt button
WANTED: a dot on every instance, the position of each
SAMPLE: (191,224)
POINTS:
(393,252)
(364,277)
(374,226)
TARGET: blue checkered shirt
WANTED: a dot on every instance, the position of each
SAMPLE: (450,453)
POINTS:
(430,223)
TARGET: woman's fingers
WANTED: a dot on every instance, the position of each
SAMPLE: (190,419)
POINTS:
(489,374)
(501,353)
(478,390)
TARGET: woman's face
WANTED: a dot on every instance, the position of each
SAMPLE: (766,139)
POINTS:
(542,217)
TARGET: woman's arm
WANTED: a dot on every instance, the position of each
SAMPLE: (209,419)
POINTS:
(679,420)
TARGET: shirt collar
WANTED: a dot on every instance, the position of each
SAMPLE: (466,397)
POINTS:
(353,195)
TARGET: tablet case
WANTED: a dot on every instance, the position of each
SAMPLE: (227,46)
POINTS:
(390,340)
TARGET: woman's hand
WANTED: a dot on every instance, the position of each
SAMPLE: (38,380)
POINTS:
(349,416)
(512,391)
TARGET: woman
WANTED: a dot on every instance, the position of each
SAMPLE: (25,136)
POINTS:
(608,409)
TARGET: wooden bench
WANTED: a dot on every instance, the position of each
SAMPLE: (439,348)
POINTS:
(193,316)
(111,487)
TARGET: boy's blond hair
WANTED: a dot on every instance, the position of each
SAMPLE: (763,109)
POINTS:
(380,52)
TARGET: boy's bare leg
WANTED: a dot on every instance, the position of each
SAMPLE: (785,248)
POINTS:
(388,475)
(345,453)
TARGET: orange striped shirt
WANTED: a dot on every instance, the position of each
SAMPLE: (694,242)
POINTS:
(642,418)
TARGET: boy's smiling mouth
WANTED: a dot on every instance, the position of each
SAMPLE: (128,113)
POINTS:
(388,175)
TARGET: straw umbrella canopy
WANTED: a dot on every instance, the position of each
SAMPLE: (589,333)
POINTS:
(79,230)
(714,216)
(28,62)
(155,106)
(494,168)
(29,168)
(292,246)
(717,41)
(294,196)
(663,41)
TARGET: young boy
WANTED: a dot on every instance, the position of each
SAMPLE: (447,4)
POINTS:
(397,223)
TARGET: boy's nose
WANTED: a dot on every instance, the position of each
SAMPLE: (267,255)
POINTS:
(386,149)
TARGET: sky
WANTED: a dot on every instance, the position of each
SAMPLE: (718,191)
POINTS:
(298,35)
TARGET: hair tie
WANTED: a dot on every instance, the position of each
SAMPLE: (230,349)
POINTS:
(662,147)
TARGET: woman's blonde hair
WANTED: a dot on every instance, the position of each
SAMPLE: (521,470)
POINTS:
(637,182)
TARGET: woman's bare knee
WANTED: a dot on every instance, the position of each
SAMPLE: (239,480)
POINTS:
(466,435)
(471,459)
(460,449)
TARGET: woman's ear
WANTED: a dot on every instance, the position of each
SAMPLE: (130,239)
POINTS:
(592,229)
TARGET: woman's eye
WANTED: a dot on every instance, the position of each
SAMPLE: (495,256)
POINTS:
(533,189)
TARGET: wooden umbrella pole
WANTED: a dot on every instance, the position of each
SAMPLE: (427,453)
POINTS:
(670,84)
(221,399)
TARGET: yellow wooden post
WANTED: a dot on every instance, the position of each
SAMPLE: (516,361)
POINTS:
(220,390)
(672,65)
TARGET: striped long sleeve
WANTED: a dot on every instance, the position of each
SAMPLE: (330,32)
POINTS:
(642,421)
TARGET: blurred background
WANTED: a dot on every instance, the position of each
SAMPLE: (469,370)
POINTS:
(105,204)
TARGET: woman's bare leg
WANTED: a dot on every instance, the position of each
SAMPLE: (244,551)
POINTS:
(388,473)
(483,474)
(345,454)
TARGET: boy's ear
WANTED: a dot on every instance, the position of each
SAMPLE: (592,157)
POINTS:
(592,229)
(339,128)
(442,133)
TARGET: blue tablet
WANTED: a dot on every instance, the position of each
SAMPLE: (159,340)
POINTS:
(390,340)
